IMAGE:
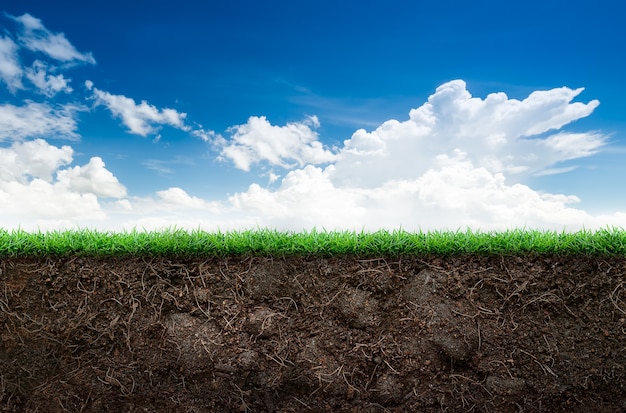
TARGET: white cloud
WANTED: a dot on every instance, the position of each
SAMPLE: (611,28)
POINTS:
(172,207)
(448,166)
(48,84)
(454,108)
(141,119)
(454,194)
(10,67)
(37,120)
(457,162)
(42,73)
(286,146)
(36,191)
(170,202)
(305,198)
(92,178)
(37,38)
(40,202)
(32,159)
(497,133)
(574,145)
(272,177)
(457,194)
(206,135)
(555,171)
(178,197)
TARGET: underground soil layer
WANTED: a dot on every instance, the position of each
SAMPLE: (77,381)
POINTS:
(529,333)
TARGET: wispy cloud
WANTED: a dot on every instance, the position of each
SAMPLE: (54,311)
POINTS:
(47,84)
(10,67)
(37,38)
(141,119)
(31,119)
(35,119)
(165,166)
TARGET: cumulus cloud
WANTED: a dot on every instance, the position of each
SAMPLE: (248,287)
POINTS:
(306,198)
(35,37)
(92,178)
(456,193)
(497,133)
(42,203)
(33,159)
(37,119)
(294,144)
(10,67)
(141,119)
(448,166)
(36,190)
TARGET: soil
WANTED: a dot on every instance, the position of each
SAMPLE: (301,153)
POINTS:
(313,334)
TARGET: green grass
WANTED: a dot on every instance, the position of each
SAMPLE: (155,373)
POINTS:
(610,241)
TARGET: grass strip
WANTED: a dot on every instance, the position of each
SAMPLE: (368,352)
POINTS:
(176,242)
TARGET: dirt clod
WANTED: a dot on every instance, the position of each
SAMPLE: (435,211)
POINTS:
(298,334)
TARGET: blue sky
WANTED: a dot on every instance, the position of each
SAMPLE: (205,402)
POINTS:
(294,115)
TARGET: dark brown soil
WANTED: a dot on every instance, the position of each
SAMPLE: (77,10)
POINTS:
(298,334)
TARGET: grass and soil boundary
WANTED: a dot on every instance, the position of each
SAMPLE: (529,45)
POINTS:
(332,322)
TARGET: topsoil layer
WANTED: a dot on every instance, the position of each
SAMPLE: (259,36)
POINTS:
(298,334)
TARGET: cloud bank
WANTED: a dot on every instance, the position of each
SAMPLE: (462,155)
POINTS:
(456,161)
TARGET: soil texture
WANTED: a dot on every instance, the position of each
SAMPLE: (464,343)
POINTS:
(313,334)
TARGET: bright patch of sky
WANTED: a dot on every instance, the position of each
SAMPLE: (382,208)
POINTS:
(329,115)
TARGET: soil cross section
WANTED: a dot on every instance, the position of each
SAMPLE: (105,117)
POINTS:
(307,333)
